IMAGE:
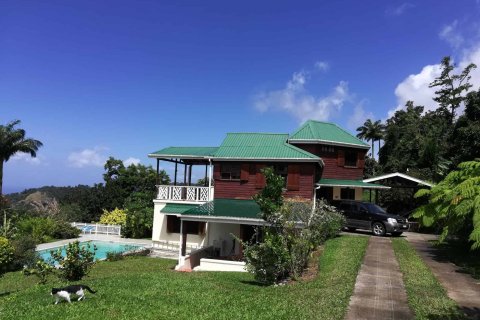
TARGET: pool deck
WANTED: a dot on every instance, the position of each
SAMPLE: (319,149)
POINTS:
(95,237)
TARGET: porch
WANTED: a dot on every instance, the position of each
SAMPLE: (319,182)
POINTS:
(182,189)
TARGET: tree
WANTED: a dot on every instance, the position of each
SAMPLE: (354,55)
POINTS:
(371,131)
(454,204)
(12,141)
(450,94)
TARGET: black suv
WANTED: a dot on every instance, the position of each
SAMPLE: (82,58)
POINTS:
(369,216)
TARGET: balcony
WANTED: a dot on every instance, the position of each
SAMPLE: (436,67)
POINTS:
(181,194)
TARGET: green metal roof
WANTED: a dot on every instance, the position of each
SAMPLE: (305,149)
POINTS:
(192,152)
(261,146)
(177,208)
(326,132)
(350,183)
(229,208)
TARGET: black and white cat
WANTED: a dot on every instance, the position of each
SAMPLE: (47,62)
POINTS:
(66,292)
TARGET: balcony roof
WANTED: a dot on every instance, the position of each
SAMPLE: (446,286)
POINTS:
(184,152)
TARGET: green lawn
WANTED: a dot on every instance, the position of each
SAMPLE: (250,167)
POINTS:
(147,288)
(426,296)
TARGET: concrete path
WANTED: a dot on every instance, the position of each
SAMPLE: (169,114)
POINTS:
(379,291)
(460,287)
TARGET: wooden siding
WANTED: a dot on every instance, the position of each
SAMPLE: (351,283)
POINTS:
(245,189)
(334,161)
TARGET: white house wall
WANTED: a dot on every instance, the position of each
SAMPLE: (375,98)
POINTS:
(337,193)
(160,229)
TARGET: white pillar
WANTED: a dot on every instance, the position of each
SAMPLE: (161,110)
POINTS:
(181,243)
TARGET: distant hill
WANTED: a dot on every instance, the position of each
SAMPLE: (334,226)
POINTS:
(61,194)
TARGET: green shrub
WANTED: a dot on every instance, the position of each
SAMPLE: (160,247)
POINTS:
(139,221)
(6,255)
(46,229)
(114,256)
(24,252)
(41,269)
(63,230)
(77,262)
(267,260)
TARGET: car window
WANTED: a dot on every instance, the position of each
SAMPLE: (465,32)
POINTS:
(362,208)
(344,206)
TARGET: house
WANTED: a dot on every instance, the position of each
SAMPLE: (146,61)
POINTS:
(319,160)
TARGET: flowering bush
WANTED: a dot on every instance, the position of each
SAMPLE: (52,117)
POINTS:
(116,216)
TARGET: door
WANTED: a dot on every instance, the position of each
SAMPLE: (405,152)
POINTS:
(364,216)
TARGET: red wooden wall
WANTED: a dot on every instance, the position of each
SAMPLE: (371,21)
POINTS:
(300,183)
(334,161)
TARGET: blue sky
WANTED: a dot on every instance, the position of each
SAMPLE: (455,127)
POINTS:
(123,78)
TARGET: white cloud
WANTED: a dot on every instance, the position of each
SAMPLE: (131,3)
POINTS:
(359,116)
(452,35)
(322,65)
(130,161)
(27,158)
(416,86)
(399,10)
(295,99)
(88,157)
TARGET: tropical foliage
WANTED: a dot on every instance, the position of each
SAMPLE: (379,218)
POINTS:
(371,131)
(294,230)
(6,255)
(454,204)
(77,263)
(13,141)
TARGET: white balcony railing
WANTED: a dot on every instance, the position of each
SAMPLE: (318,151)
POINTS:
(185,193)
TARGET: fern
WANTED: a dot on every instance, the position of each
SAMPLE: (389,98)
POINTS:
(454,202)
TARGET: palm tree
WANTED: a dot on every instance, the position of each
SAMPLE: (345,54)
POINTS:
(371,131)
(12,141)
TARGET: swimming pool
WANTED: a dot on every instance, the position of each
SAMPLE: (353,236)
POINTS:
(102,248)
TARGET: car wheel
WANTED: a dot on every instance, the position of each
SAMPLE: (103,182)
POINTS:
(397,234)
(378,229)
(351,229)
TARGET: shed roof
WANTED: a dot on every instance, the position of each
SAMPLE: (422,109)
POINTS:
(349,184)
(399,175)
(326,132)
(184,152)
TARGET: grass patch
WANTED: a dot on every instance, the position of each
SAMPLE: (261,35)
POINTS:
(426,296)
(147,288)
(460,254)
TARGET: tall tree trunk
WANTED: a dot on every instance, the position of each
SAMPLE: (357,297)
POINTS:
(1,176)
(378,158)
(373,149)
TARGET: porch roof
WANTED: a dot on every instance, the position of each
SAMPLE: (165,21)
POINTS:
(177,208)
(349,184)
(228,208)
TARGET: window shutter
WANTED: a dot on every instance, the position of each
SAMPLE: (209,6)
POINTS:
(201,228)
(244,172)
(361,160)
(216,171)
(293,179)
(259,177)
(341,158)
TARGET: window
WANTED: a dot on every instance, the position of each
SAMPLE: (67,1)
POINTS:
(281,170)
(191,227)
(347,193)
(230,171)
(350,158)
(328,149)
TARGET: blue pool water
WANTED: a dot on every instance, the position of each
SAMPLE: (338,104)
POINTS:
(102,248)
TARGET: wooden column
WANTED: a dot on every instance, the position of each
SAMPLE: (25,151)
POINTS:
(158,168)
(190,175)
(184,241)
(176,170)
(370,193)
(205,180)
(185,175)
